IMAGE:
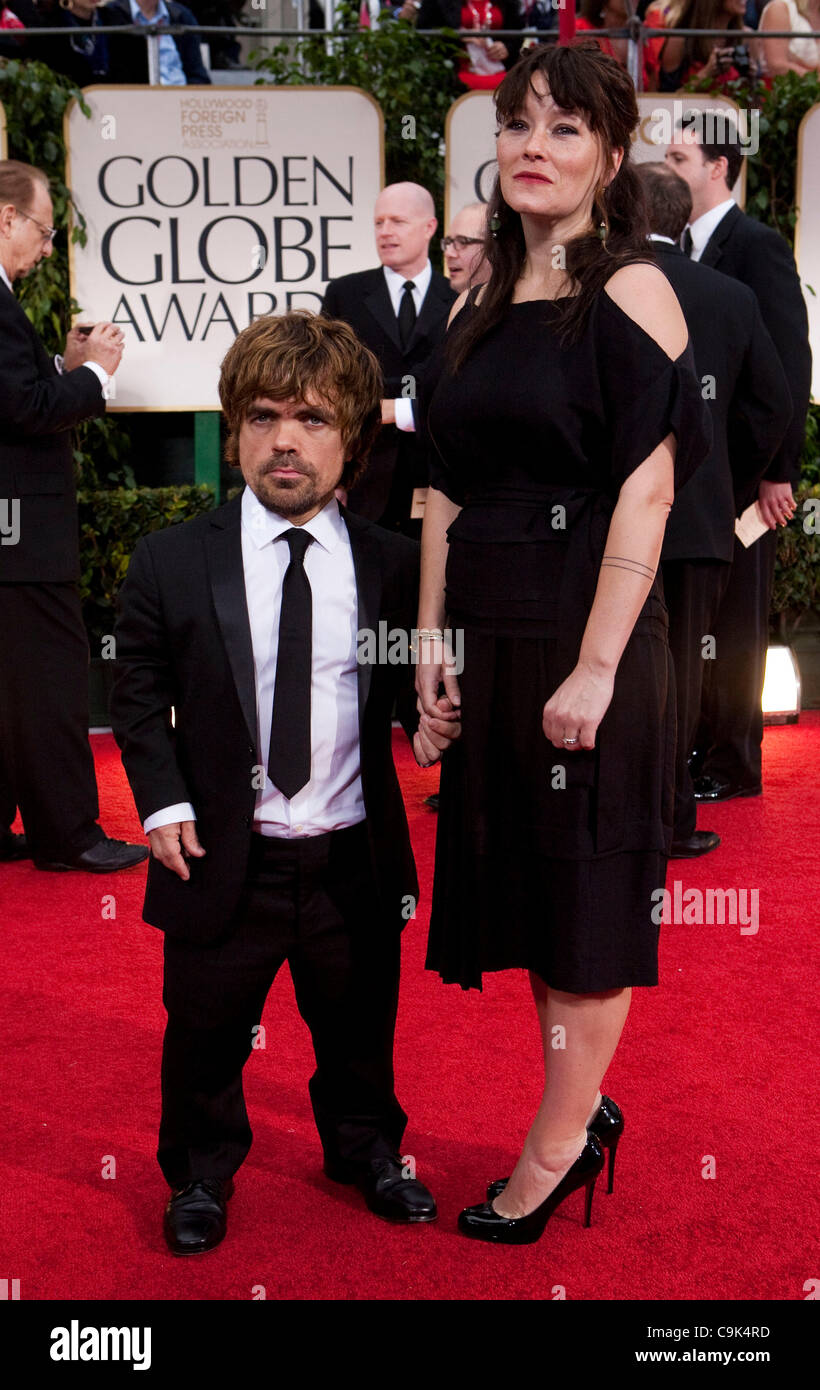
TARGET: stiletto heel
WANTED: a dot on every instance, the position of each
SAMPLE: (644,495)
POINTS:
(590,1192)
(607,1126)
(613,1149)
(484,1223)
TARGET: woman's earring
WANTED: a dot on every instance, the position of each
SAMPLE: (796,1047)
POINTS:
(495,224)
(602,231)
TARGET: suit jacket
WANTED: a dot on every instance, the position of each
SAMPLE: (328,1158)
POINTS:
(759,256)
(38,407)
(183,640)
(751,409)
(363,301)
(128,55)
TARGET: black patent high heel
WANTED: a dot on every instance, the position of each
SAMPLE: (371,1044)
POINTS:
(482,1222)
(607,1125)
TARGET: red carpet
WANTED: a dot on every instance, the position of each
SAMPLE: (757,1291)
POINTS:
(716,1062)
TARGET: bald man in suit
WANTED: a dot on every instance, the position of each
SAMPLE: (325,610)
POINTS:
(400,312)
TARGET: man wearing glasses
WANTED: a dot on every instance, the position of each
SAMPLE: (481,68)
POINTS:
(46,765)
(464,248)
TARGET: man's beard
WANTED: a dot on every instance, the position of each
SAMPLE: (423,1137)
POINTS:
(288,496)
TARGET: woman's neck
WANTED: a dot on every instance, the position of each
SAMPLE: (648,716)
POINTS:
(544,274)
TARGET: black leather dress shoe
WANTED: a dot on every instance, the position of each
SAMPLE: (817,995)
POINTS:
(196,1217)
(103,858)
(387,1192)
(13,847)
(715,789)
(701,842)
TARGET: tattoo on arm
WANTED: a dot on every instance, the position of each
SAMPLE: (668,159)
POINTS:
(635,566)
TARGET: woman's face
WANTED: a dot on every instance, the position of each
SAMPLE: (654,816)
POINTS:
(549,161)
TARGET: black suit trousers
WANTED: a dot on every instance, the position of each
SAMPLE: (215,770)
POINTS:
(693,591)
(731,732)
(313,903)
(47,759)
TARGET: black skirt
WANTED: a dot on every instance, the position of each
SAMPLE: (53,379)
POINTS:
(546,860)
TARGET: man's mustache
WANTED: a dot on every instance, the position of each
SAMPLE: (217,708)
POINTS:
(295,464)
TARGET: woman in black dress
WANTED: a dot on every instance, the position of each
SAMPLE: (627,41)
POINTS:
(565,413)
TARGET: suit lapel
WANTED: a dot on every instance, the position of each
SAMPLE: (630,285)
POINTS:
(713,250)
(378,303)
(367,565)
(431,311)
(228,589)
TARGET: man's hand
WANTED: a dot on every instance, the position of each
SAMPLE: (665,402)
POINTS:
(388,412)
(104,346)
(435,734)
(172,844)
(76,350)
(776,503)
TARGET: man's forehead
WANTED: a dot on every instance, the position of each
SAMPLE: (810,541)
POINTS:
(310,401)
(41,198)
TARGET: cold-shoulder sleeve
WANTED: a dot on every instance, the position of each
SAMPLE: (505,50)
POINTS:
(645,395)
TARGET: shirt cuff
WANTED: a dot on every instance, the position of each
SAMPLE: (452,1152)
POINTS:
(183,810)
(102,376)
(405,419)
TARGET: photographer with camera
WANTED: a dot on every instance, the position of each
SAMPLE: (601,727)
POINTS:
(721,59)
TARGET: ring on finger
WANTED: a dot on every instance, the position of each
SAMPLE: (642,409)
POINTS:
(569,741)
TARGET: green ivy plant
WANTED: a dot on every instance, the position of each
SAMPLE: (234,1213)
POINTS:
(412,77)
(35,99)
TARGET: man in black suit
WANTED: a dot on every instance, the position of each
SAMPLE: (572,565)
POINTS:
(750,406)
(721,236)
(271,800)
(180,56)
(47,766)
(400,312)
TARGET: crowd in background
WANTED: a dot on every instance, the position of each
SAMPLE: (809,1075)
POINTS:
(93,56)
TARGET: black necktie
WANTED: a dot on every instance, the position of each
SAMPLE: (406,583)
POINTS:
(407,313)
(686,243)
(289,756)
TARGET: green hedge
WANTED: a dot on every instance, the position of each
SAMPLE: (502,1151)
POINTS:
(111,522)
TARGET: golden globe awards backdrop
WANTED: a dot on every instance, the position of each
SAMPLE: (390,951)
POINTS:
(807,230)
(207,208)
(470,137)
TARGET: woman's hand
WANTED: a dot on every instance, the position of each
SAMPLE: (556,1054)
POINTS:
(436,733)
(436,667)
(719,60)
(498,51)
(440,720)
(577,708)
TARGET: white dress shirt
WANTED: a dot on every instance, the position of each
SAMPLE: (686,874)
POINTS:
(333,797)
(100,373)
(395,288)
(703,227)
